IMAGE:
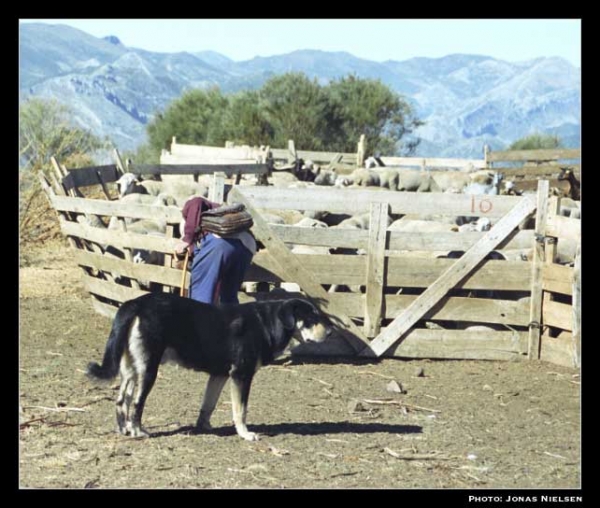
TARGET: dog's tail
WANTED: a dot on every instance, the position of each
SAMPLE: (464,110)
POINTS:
(115,346)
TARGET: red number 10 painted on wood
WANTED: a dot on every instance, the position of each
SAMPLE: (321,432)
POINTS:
(485,205)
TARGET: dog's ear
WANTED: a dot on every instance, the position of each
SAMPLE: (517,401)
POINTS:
(286,314)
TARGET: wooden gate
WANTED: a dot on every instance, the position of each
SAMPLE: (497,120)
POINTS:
(381,246)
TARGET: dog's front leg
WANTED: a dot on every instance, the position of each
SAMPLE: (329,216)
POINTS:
(240,390)
(214,387)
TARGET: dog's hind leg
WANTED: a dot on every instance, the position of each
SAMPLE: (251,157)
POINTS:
(214,387)
(125,396)
(240,391)
(145,382)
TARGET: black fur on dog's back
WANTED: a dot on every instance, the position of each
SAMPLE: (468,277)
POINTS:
(203,337)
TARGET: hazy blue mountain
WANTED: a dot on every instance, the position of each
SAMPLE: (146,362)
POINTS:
(466,100)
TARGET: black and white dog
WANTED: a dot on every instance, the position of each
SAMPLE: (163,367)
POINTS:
(227,342)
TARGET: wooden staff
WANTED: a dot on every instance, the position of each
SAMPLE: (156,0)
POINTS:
(183,272)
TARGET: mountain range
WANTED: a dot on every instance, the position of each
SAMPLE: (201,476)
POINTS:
(466,100)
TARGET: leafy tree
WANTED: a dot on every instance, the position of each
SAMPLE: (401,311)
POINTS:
(298,108)
(536,141)
(291,106)
(245,122)
(195,118)
(46,129)
(369,107)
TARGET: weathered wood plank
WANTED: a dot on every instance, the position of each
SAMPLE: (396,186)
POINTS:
(229,152)
(535,315)
(217,188)
(121,168)
(357,200)
(375,269)
(446,344)
(282,257)
(398,241)
(556,314)
(549,170)
(433,163)
(563,227)
(108,289)
(557,278)
(88,176)
(468,345)
(558,350)
(118,238)
(450,278)
(171,215)
(150,273)
(413,272)
(476,310)
(200,169)
(535,155)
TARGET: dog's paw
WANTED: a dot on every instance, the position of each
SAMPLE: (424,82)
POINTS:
(249,436)
(139,433)
(203,426)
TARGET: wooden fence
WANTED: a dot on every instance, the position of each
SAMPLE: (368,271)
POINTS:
(534,164)
(412,304)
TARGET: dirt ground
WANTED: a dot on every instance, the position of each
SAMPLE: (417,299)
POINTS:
(459,424)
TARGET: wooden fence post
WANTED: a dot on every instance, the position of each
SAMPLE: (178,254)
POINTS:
(361,151)
(374,301)
(293,157)
(486,153)
(217,190)
(539,254)
(120,165)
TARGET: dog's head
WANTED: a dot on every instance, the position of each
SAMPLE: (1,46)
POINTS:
(303,316)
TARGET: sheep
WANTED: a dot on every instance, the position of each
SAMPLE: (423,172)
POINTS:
(480,225)
(325,177)
(181,190)
(384,178)
(489,187)
(452,181)
(307,222)
(129,183)
(411,180)
(91,220)
(373,162)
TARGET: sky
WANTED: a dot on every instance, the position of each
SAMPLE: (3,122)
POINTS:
(513,40)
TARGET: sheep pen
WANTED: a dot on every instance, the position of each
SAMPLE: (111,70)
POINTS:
(376,422)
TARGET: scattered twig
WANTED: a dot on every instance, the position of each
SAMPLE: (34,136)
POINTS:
(417,456)
(321,381)
(374,374)
(53,353)
(57,409)
(556,456)
(400,403)
(29,422)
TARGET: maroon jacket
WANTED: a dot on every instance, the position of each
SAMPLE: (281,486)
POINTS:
(192,213)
